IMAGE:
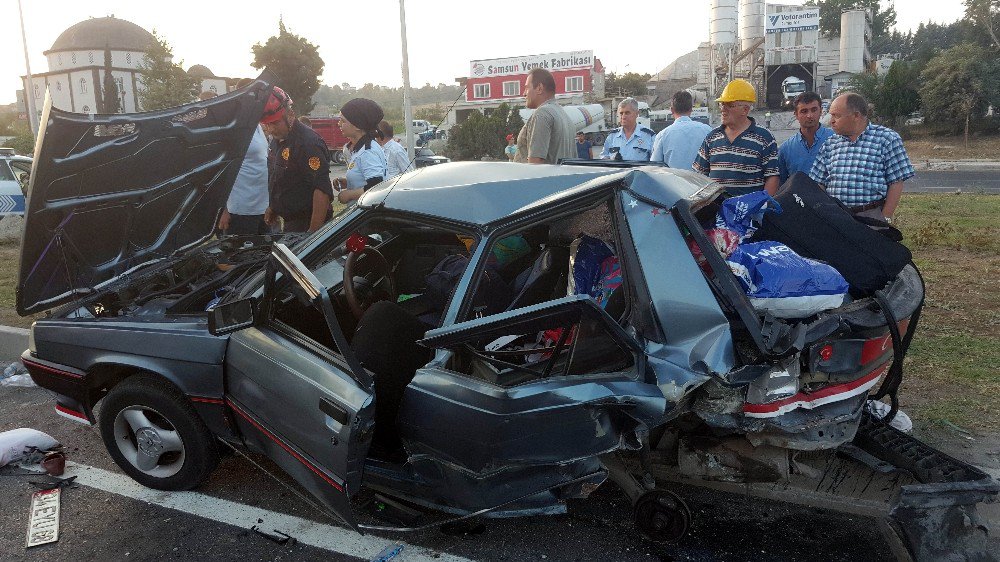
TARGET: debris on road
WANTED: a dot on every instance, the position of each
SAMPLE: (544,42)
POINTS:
(43,521)
(18,443)
(277,536)
(388,553)
(16,375)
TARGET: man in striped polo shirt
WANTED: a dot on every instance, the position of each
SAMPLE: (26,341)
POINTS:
(738,154)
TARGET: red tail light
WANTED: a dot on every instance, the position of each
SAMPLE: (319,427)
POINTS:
(875,347)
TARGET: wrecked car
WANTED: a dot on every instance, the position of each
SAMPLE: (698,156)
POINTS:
(432,344)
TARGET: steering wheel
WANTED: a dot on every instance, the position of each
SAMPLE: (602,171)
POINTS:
(378,264)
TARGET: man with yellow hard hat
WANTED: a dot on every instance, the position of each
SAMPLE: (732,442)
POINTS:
(738,154)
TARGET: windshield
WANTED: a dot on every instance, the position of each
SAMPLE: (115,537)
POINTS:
(796,87)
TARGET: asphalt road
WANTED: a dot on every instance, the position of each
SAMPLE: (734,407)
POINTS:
(931,181)
(96,524)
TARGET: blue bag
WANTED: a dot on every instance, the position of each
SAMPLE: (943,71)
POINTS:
(586,256)
(740,213)
(787,285)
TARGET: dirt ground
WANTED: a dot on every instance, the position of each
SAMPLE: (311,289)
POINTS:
(922,147)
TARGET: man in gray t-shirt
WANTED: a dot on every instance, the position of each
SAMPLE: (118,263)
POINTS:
(548,134)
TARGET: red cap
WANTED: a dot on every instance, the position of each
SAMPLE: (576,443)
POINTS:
(510,137)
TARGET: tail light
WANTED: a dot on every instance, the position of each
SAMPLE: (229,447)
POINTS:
(850,355)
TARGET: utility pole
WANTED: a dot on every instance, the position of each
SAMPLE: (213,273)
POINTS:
(29,87)
(407,106)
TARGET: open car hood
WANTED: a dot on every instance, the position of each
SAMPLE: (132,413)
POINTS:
(110,193)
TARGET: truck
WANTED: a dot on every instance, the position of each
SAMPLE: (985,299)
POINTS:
(593,119)
(328,129)
(791,87)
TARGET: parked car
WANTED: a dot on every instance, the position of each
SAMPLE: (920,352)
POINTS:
(15,171)
(425,338)
(424,156)
(915,118)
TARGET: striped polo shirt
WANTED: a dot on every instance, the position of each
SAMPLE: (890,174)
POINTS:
(742,165)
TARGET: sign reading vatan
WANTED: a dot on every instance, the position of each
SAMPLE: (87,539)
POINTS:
(798,20)
(523,65)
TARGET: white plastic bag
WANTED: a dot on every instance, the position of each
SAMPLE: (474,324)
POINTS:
(15,442)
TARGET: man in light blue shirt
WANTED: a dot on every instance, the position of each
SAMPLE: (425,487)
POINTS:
(677,145)
(630,141)
(798,153)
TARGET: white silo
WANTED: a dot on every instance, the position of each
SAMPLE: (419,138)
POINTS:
(751,22)
(722,29)
(855,34)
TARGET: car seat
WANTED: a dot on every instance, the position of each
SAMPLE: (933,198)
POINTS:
(537,283)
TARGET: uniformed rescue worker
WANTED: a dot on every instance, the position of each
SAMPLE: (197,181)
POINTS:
(366,162)
(628,142)
(299,169)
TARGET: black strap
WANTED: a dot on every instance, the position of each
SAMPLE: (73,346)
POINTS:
(900,345)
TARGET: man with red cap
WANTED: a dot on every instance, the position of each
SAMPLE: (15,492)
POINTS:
(299,166)
(511,149)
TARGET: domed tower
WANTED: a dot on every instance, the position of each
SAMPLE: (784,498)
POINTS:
(78,60)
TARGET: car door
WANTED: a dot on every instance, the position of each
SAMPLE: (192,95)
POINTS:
(306,406)
(495,427)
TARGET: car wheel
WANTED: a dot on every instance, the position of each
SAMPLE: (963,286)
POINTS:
(153,433)
(338,157)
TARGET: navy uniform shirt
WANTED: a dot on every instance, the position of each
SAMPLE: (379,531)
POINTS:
(298,165)
(638,147)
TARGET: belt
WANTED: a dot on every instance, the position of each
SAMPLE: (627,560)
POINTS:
(867,206)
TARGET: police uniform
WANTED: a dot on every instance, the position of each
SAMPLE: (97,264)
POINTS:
(298,165)
(638,147)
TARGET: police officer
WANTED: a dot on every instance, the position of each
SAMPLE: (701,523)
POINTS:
(299,169)
(628,142)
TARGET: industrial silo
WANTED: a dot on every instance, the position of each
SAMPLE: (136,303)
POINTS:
(855,35)
(722,29)
(751,22)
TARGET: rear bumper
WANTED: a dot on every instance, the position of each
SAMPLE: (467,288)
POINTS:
(69,384)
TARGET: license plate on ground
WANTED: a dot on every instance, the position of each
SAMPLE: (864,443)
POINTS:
(43,519)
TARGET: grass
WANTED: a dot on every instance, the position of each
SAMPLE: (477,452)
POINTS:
(924,147)
(952,374)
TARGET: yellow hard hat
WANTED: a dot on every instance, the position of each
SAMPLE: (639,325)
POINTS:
(738,90)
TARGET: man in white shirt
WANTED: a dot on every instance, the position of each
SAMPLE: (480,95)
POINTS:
(397,159)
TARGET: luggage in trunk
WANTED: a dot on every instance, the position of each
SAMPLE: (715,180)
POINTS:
(817,226)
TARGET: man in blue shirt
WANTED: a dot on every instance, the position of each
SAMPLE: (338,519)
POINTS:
(583,146)
(738,154)
(677,145)
(798,152)
(628,142)
(863,165)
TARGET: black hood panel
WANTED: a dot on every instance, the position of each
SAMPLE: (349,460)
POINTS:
(110,193)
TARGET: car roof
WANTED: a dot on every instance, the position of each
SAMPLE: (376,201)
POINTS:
(481,193)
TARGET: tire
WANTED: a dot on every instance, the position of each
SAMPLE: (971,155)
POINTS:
(153,433)
(338,157)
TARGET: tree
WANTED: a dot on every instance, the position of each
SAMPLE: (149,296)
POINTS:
(953,91)
(110,100)
(984,13)
(869,85)
(899,97)
(482,136)
(297,63)
(830,10)
(628,84)
(164,83)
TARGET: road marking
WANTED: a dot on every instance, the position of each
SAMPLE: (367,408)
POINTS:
(327,537)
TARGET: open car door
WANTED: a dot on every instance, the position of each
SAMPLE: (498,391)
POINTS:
(526,402)
(307,407)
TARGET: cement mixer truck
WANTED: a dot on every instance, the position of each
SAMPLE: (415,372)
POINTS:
(591,119)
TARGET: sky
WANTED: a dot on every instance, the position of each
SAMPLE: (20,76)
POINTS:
(360,41)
